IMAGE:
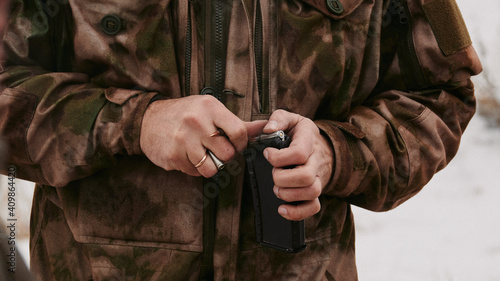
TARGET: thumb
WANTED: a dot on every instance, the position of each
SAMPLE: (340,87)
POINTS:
(282,120)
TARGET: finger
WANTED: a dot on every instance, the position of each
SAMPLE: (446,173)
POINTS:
(208,168)
(299,176)
(299,193)
(255,128)
(281,120)
(234,128)
(222,118)
(290,156)
(300,149)
(200,162)
(220,146)
(189,170)
(301,211)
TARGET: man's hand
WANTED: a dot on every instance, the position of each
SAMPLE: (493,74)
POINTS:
(176,134)
(312,156)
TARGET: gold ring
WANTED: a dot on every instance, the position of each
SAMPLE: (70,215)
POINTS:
(218,132)
(201,161)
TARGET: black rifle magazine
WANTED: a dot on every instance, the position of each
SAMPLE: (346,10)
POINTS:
(272,230)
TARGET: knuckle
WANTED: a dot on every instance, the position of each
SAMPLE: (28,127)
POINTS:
(316,190)
(276,176)
(310,123)
(192,119)
(238,134)
(296,216)
(166,166)
(240,131)
(209,101)
(309,179)
(205,98)
(305,179)
(279,112)
(270,157)
(316,206)
(301,157)
(227,154)
(179,137)
(284,195)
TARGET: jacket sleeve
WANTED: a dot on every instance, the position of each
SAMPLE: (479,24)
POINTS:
(410,127)
(58,126)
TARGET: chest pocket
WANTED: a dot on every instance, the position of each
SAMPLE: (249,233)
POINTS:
(127,44)
(321,49)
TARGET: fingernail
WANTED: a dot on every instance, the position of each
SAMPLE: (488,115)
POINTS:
(276,190)
(282,210)
(266,154)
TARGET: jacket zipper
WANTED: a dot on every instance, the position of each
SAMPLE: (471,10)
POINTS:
(189,50)
(218,49)
(410,66)
(258,50)
(215,53)
(215,50)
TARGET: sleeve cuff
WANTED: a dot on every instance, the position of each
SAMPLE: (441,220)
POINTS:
(346,160)
(142,104)
(133,106)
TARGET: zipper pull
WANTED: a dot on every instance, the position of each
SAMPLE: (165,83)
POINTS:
(397,8)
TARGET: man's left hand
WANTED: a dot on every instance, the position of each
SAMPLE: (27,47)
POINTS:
(311,156)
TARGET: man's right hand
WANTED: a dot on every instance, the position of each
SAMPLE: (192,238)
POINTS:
(176,134)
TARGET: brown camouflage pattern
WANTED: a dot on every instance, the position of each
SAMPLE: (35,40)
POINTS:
(71,103)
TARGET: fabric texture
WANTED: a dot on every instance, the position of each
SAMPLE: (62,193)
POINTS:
(448,25)
(72,99)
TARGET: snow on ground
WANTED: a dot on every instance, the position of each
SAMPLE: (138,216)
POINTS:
(450,230)
(483,21)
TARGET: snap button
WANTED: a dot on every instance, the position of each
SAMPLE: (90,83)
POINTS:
(335,7)
(208,91)
(111,24)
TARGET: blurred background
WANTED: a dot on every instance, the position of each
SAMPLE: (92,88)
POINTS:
(451,229)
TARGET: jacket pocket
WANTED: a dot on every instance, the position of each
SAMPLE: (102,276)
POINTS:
(319,56)
(136,204)
(114,262)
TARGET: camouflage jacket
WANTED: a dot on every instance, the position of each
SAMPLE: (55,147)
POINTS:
(387,81)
